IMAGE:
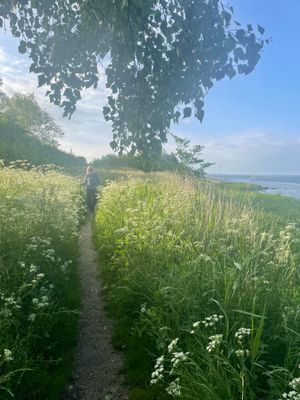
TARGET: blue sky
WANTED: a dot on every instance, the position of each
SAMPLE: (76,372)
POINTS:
(251,124)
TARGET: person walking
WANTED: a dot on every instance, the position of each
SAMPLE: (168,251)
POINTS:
(91,182)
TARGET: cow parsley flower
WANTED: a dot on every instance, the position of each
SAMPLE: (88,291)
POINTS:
(212,320)
(172,345)
(215,341)
(174,388)
(31,317)
(7,355)
(242,333)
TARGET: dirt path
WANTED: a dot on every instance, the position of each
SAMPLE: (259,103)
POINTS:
(97,364)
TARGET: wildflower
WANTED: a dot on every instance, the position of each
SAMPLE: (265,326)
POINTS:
(212,320)
(179,357)
(196,324)
(174,388)
(31,317)
(32,268)
(35,301)
(295,384)
(143,308)
(7,355)
(40,276)
(242,332)
(172,345)
(215,340)
(242,353)
(157,374)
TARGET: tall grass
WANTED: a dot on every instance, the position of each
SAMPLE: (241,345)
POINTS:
(204,288)
(39,219)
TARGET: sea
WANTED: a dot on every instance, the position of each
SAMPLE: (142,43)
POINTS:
(286,185)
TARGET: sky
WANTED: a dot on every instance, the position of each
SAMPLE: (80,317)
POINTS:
(251,123)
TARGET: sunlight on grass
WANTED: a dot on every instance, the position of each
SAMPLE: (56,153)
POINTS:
(204,285)
(40,211)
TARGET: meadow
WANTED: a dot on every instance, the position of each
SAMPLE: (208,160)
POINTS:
(40,213)
(203,283)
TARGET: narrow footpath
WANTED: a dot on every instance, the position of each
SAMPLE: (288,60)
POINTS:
(97,365)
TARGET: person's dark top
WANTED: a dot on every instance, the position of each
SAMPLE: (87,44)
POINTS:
(91,181)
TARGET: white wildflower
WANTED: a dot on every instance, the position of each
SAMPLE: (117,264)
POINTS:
(33,268)
(242,332)
(31,317)
(179,357)
(172,345)
(215,340)
(157,374)
(143,308)
(242,353)
(174,388)
(295,383)
(7,355)
(212,320)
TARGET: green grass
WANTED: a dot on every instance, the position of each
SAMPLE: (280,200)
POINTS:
(175,252)
(40,214)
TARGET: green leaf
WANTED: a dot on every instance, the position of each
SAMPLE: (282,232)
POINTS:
(256,340)
(230,71)
(261,30)
(106,110)
(41,80)
(113,144)
(187,112)
(22,47)
(200,115)
(237,265)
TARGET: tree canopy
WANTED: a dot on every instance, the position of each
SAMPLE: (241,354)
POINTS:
(24,111)
(160,57)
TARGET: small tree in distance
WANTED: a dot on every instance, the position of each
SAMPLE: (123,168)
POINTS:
(190,156)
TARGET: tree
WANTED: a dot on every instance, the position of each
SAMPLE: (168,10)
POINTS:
(24,110)
(3,97)
(161,57)
(190,157)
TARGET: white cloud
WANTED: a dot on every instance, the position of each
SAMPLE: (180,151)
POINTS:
(253,152)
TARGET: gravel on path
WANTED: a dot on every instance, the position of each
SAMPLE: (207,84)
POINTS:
(97,365)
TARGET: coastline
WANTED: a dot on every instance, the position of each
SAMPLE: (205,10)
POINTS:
(284,185)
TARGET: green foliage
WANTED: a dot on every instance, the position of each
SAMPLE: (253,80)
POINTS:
(39,291)
(24,110)
(163,57)
(190,156)
(204,285)
(166,162)
(17,144)
(285,208)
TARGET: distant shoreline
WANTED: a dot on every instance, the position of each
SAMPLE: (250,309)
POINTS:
(285,185)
